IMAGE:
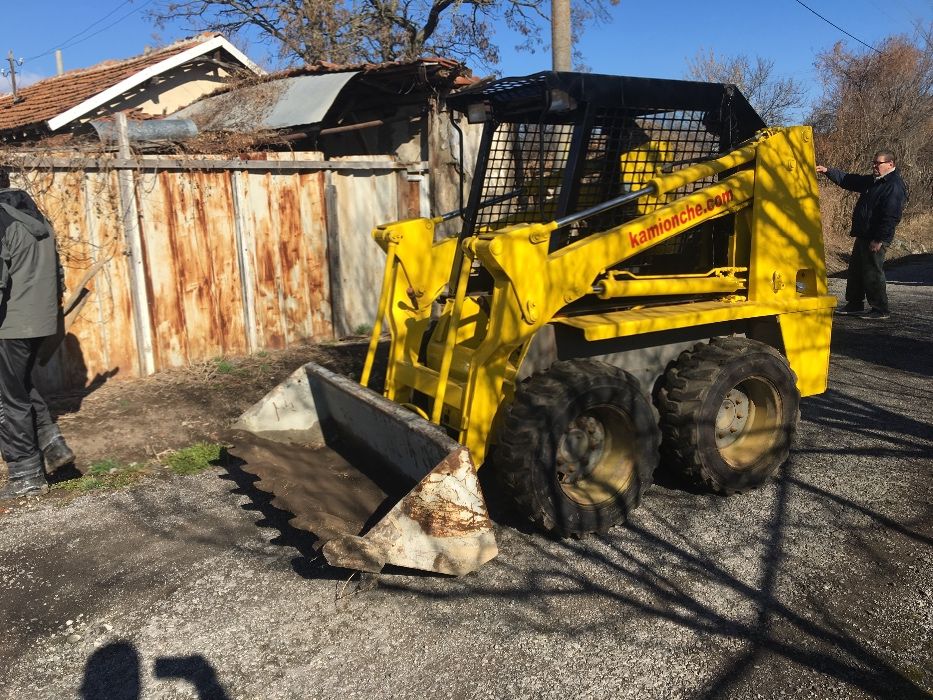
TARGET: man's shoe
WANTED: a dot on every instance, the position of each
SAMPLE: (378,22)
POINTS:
(851,310)
(877,315)
(57,454)
(26,486)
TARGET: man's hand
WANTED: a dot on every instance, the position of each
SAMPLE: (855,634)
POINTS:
(874,246)
(821,169)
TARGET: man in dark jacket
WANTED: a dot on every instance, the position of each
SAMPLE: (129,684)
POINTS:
(876,214)
(31,284)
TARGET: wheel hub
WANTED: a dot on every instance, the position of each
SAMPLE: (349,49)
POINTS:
(732,418)
(595,458)
(748,422)
(580,449)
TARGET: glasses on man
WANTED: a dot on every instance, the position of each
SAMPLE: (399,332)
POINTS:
(880,162)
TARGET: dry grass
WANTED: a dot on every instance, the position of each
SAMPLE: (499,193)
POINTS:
(916,231)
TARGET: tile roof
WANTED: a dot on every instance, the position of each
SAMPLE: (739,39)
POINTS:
(48,98)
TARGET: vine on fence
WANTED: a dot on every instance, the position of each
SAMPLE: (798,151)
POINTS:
(75,193)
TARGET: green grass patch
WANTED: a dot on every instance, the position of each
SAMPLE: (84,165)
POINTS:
(194,459)
(103,467)
(223,366)
(104,474)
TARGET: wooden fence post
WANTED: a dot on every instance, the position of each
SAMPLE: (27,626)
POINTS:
(142,322)
(335,276)
(244,251)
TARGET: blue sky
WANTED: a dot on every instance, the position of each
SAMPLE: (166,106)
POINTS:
(641,39)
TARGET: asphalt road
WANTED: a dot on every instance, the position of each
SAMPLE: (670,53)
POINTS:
(819,585)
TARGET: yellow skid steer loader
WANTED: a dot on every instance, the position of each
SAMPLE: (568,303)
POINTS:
(638,280)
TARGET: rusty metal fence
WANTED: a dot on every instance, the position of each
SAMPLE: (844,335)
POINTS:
(208,257)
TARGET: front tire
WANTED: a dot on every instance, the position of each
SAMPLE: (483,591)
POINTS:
(579,447)
(729,413)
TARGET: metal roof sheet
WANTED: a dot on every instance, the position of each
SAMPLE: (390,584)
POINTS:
(276,104)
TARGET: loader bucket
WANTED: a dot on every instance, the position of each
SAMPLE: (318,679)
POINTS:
(376,483)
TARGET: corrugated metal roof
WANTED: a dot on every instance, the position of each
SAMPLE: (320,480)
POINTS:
(276,104)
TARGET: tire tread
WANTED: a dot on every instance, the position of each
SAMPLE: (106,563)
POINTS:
(681,397)
(527,422)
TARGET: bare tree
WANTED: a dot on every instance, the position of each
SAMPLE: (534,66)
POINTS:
(874,101)
(349,31)
(772,97)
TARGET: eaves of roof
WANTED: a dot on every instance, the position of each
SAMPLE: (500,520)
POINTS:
(53,103)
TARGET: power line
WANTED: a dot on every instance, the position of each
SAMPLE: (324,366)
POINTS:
(869,46)
(86,29)
(112,24)
(73,40)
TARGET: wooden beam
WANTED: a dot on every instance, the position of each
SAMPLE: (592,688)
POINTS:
(338,311)
(142,322)
(156,164)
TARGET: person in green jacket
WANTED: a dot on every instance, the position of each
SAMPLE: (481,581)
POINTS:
(31,288)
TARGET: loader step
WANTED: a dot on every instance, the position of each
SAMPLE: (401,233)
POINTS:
(661,318)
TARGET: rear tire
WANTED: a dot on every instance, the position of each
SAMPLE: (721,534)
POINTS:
(578,448)
(729,412)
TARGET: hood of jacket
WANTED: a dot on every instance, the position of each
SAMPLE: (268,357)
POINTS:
(17,205)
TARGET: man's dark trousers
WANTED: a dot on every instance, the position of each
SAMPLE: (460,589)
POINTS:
(866,276)
(24,415)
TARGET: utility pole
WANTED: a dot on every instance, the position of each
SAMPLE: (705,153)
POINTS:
(12,73)
(560,35)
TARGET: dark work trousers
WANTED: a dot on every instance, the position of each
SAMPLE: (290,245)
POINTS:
(25,423)
(865,278)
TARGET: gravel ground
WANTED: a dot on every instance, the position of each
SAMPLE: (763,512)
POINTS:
(819,585)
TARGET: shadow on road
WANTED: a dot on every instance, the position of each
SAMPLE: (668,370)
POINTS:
(883,433)
(903,341)
(196,670)
(114,672)
(873,343)
(671,578)
(916,269)
(310,563)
